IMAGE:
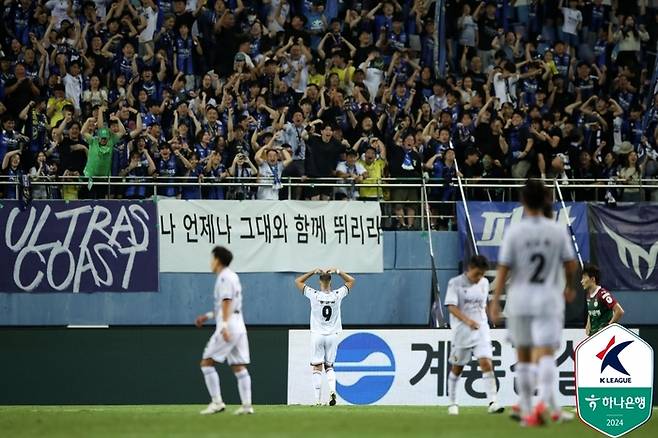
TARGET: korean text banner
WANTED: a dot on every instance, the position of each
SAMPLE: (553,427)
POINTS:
(490,219)
(625,245)
(79,247)
(411,367)
(271,236)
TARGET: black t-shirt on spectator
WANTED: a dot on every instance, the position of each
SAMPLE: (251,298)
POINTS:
(321,157)
(397,159)
(487,28)
(22,95)
(70,159)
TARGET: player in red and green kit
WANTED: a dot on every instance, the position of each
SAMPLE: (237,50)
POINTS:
(602,308)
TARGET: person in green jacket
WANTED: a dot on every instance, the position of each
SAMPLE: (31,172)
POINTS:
(101,147)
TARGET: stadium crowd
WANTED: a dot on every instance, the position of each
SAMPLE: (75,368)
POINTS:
(224,90)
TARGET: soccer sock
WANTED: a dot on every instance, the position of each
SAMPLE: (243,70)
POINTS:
(452,387)
(547,377)
(244,386)
(526,385)
(331,379)
(317,384)
(490,386)
(212,383)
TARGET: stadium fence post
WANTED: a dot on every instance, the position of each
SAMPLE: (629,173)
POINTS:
(466,212)
(566,214)
(436,309)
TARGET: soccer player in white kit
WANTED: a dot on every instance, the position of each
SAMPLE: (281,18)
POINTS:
(229,342)
(466,299)
(538,256)
(326,325)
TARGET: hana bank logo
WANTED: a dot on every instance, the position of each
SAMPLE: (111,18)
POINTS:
(365,368)
(495,223)
(631,253)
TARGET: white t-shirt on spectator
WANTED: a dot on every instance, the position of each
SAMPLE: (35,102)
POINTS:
(59,10)
(151,17)
(266,173)
(505,89)
(374,78)
(572,17)
(303,75)
(73,89)
(358,169)
(272,24)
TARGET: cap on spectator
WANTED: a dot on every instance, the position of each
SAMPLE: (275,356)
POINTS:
(625,148)
(104,133)
(240,57)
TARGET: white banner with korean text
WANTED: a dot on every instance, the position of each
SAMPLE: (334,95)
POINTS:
(271,236)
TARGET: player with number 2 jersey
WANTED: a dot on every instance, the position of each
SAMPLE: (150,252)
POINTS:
(326,325)
(537,255)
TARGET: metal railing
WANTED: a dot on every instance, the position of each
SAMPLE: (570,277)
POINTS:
(442,213)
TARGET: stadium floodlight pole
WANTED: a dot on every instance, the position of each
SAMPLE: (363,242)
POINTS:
(468,215)
(566,213)
(436,308)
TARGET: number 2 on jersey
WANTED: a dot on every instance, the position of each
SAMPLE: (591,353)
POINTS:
(538,261)
(326,313)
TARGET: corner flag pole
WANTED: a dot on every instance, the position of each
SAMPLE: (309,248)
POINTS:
(436,309)
(566,213)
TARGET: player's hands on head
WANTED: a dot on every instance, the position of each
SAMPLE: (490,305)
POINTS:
(318,271)
(200,320)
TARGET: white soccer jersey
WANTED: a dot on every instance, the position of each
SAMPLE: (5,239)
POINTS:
(325,309)
(471,299)
(228,287)
(535,250)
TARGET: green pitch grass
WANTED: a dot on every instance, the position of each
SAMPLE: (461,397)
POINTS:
(173,421)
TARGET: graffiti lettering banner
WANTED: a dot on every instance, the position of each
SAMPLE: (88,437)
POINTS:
(79,246)
(490,219)
(625,245)
(271,236)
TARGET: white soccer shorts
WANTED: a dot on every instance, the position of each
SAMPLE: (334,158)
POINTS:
(535,331)
(235,351)
(323,349)
(461,356)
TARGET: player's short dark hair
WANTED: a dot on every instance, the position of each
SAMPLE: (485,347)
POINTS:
(223,255)
(534,195)
(593,271)
(325,277)
(478,262)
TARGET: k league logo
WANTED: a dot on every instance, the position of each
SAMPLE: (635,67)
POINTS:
(365,368)
(614,381)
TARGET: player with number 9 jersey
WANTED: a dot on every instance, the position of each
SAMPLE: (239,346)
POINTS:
(326,325)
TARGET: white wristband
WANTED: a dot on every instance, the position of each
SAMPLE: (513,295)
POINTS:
(210,315)
(337,271)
